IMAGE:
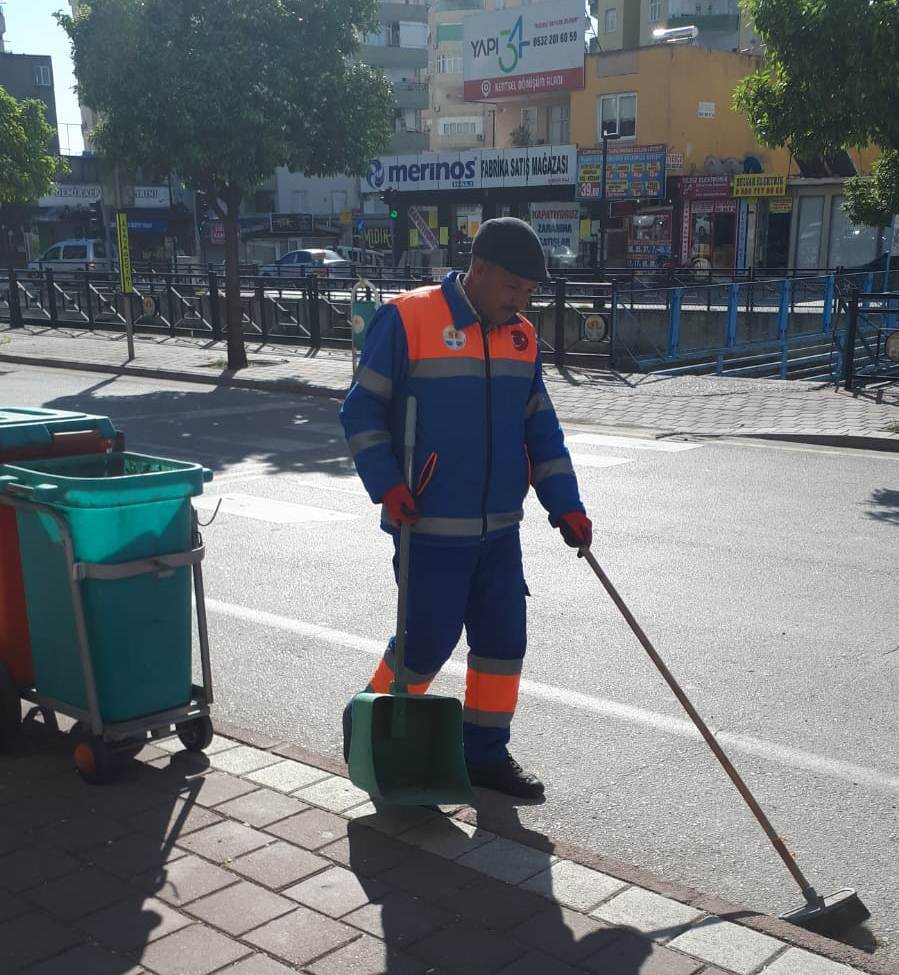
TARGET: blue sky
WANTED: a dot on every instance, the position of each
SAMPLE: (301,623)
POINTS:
(31,29)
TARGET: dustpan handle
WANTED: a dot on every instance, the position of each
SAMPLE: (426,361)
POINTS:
(399,686)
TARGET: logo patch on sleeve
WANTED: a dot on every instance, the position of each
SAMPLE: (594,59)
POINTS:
(519,340)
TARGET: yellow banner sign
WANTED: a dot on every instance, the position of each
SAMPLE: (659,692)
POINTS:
(759,184)
(121,227)
(780,204)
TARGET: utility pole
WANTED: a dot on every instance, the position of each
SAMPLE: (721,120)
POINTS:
(606,138)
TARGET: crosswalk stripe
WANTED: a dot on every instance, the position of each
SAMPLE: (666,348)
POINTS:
(633,443)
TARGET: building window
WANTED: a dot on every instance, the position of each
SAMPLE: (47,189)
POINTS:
(610,21)
(529,121)
(411,34)
(42,76)
(448,64)
(299,201)
(655,11)
(617,116)
(460,126)
(808,232)
(850,244)
(559,125)
(449,33)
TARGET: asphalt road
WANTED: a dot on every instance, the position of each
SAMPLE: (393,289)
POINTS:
(765,575)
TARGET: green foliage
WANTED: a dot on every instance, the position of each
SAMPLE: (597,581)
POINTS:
(226,91)
(873,200)
(27,167)
(521,136)
(830,78)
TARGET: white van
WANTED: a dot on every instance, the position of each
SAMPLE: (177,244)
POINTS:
(74,255)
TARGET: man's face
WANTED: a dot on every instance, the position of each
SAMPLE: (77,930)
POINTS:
(496,293)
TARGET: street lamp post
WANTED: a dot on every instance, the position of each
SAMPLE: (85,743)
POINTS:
(606,138)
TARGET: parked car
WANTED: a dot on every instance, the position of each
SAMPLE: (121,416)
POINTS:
(310,261)
(75,255)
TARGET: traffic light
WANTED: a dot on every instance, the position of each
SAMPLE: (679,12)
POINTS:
(388,198)
(95,220)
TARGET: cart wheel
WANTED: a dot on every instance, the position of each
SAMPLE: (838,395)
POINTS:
(94,760)
(196,735)
(10,709)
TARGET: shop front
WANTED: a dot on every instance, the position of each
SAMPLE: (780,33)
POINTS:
(713,225)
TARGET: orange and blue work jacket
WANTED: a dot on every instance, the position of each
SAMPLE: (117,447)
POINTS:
(486,427)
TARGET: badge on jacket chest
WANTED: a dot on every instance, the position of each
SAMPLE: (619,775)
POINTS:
(519,340)
(453,338)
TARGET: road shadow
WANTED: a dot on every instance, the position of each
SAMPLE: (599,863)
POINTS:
(884,506)
(467,900)
(89,866)
(221,427)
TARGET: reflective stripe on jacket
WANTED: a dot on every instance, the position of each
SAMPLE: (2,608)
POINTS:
(486,426)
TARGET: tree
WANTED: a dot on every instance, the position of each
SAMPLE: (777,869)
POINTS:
(830,82)
(226,91)
(27,167)
(521,135)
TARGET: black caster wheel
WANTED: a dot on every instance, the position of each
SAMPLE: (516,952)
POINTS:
(196,735)
(94,760)
(10,709)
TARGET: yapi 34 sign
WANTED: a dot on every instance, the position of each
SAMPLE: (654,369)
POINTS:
(524,51)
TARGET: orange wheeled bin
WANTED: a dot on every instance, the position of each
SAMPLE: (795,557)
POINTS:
(29,434)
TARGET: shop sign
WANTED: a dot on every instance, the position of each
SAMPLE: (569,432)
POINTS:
(152,197)
(557,225)
(257,224)
(674,163)
(780,204)
(705,187)
(632,173)
(524,51)
(71,195)
(217,232)
(428,237)
(292,223)
(759,184)
(473,169)
(155,226)
(379,238)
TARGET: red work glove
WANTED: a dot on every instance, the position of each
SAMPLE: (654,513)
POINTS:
(400,505)
(576,529)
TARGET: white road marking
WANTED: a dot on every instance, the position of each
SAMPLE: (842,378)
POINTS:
(634,443)
(678,727)
(597,460)
(265,509)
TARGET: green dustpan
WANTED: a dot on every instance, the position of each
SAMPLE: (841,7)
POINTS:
(407,748)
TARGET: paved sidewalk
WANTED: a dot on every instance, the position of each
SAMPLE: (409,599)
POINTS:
(250,861)
(703,406)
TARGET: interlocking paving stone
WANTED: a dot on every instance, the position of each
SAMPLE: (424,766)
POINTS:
(131,924)
(195,950)
(366,852)
(31,866)
(225,841)
(727,945)
(493,904)
(430,877)
(175,820)
(84,960)
(31,938)
(82,832)
(242,759)
(468,950)
(659,918)
(796,961)
(240,908)
(564,934)
(574,885)
(399,919)
(312,829)
(447,838)
(218,744)
(261,808)
(335,793)
(135,854)
(287,775)
(538,963)
(633,953)
(367,956)
(506,860)
(334,892)
(390,820)
(279,864)
(219,787)
(79,893)
(258,964)
(301,936)
(187,879)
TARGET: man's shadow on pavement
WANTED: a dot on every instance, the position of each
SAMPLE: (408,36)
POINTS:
(441,909)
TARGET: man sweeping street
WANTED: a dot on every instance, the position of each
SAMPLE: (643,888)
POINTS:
(486,432)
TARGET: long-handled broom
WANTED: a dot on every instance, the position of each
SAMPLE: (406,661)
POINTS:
(830,914)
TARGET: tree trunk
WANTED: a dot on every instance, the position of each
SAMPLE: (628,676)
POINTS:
(237,353)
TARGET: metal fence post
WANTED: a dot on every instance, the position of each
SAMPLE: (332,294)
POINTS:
(89,300)
(783,312)
(263,318)
(214,317)
(613,320)
(170,293)
(15,304)
(869,283)
(51,299)
(315,327)
(559,331)
(827,311)
(674,321)
(851,336)
(733,300)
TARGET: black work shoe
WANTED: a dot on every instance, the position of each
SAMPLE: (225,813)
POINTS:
(347,731)
(507,777)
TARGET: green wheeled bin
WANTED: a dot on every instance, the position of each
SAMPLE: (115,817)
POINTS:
(108,544)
